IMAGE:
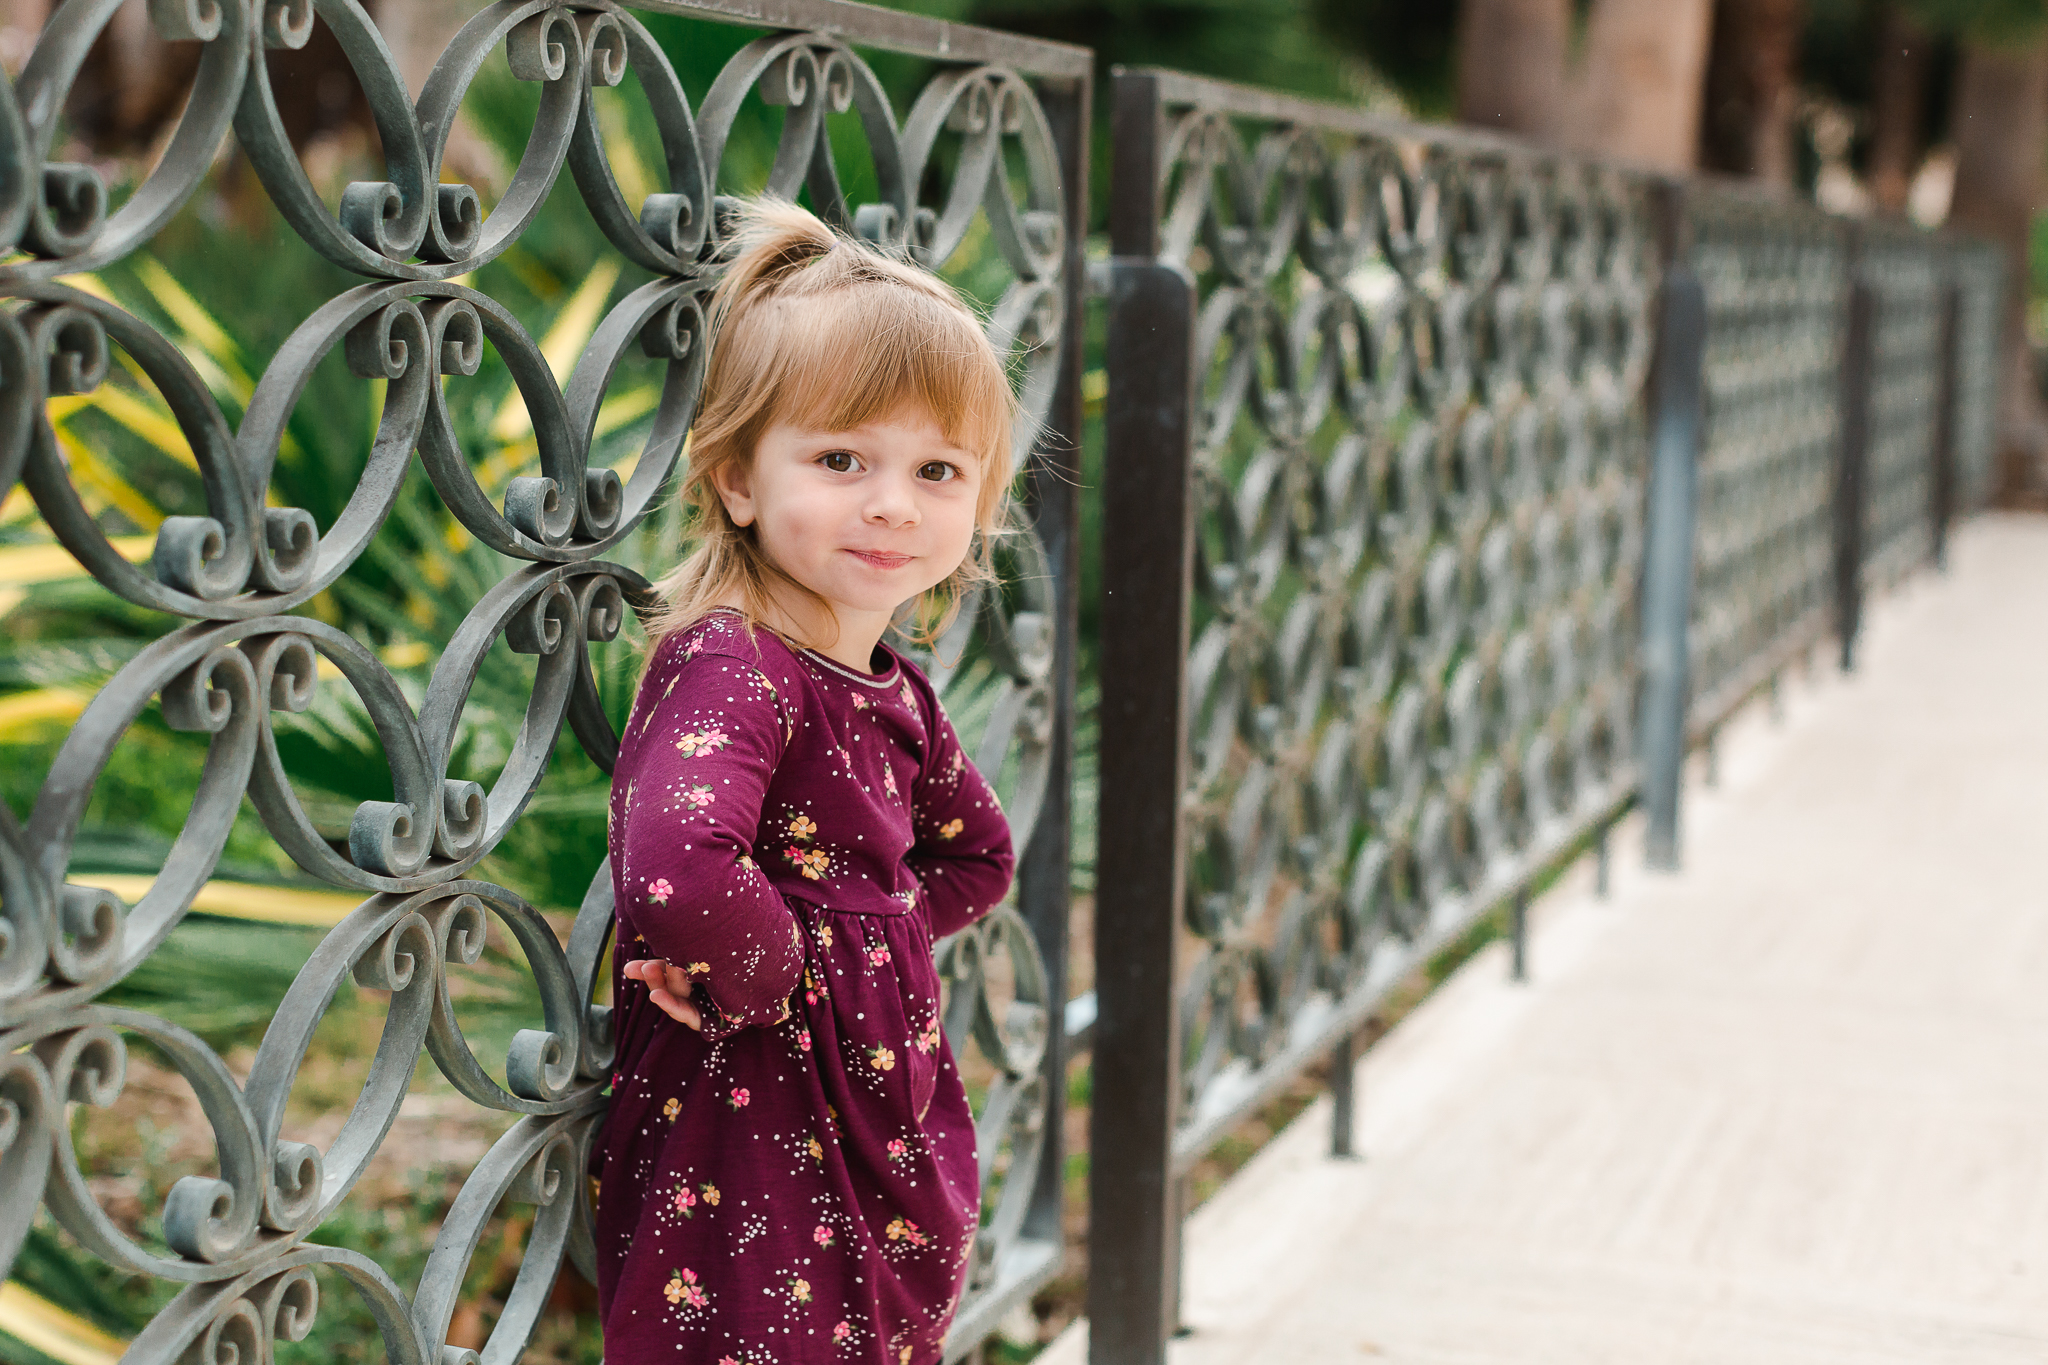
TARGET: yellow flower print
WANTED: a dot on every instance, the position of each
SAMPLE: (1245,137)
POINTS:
(825,935)
(700,969)
(811,863)
(881,1059)
(815,1148)
(903,1230)
(710,1194)
(951,829)
(800,1290)
(747,862)
(803,827)
(903,1356)
(670,1109)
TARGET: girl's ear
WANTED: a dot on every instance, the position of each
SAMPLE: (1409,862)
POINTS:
(734,482)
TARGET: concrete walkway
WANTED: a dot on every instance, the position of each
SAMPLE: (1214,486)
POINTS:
(1790,1105)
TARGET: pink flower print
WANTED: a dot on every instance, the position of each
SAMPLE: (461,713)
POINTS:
(909,697)
(702,743)
(898,1149)
(822,1235)
(928,1036)
(951,829)
(903,1230)
(842,1331)
(879,954)
(739,1098)
(659,891)
(698,797)
(693,649)
(958,765)
(889,780)
(682,1287)
(860,703)
(686,1200)
(803,1040)
(847,759)
(670,1109)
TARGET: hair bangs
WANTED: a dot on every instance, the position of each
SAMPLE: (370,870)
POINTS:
(866,352)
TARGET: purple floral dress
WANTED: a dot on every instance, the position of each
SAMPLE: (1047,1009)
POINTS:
(798,1182)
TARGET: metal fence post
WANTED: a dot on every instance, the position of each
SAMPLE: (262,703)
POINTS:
(1676,397)
(1945,405)
(1056,508)
(1147,568)
(1853,454)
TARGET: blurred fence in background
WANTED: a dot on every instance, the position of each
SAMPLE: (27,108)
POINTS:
(1454,488)
(1415,576)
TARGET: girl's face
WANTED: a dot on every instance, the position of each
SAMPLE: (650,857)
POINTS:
(867,519)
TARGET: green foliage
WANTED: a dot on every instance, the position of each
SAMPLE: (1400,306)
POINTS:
(1992,22)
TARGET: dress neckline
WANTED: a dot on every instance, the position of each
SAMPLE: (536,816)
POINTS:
(887,678)
(875,680)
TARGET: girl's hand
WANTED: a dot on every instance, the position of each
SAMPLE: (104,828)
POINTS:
(668,987)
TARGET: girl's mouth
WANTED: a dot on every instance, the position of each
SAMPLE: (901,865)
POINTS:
(880,559)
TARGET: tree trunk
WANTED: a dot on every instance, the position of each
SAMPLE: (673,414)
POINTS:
(1898,108)
(1637,94)
(1511,65)
(1751,96)
(2001,135)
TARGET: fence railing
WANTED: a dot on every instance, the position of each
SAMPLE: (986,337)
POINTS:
(1418,572)
(984,171)
(1454,489)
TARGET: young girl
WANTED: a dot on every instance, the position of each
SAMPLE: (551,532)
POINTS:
(788,1169)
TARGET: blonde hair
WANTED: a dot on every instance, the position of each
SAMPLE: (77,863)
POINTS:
(819,330)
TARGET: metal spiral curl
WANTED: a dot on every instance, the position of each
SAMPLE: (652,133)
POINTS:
(1419,474)
(238,1240)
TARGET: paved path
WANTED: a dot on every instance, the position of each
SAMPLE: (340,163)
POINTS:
(1790,1105)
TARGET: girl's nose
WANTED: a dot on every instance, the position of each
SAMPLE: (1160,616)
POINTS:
(892,502)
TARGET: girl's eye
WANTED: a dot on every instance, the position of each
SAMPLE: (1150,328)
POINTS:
(839,461)
(938,471)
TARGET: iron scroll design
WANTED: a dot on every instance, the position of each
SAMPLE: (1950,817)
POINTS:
(1416,464)
(989,150)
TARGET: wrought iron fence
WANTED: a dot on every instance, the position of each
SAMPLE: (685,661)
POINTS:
(1452,485)
(988,162)
(1400,563)
(1775,282)
(1373,526)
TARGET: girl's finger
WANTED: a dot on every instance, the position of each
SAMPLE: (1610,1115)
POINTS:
(678,982)
(682,1011)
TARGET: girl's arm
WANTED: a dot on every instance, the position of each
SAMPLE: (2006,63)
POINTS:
(685,824)
(962,855)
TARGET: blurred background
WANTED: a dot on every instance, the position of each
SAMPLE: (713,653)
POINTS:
(1934,111)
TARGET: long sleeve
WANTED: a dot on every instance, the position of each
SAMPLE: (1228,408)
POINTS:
(704,741)
(962,855)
